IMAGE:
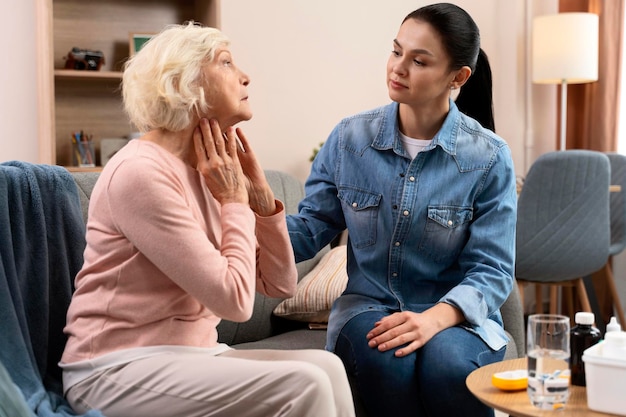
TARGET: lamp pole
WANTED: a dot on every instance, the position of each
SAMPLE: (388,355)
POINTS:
(563,114)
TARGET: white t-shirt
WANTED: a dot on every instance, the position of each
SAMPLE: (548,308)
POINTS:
(414,146)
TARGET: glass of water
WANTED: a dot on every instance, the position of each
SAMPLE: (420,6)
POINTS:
(548,351)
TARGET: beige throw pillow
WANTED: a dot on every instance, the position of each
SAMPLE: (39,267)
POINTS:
(317,290)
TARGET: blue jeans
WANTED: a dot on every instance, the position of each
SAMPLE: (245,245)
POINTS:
(428,382)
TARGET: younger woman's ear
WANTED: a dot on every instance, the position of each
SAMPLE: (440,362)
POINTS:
(460,78)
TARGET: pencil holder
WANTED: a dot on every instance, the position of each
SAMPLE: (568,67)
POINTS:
(84,154)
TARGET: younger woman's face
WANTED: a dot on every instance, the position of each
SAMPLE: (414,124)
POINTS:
(226,88)
(418,69)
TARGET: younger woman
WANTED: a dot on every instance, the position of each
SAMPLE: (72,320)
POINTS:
(426,190)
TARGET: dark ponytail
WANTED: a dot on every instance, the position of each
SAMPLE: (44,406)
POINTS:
(461,39)
(476,96)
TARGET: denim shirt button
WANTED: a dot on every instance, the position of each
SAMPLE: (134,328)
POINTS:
(412,178)
(449,222)
(394,275)
(355,205)
(397,244)
(405,212)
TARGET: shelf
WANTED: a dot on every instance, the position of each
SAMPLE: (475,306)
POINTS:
(73,74)
(83,169)
(72,100)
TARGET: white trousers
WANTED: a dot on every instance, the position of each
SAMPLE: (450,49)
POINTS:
(237,383)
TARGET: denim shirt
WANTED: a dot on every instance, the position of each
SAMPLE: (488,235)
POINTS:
(439,228)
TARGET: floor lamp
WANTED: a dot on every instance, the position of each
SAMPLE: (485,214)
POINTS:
(565,51)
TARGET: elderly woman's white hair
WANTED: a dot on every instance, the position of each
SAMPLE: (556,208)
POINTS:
(162,84)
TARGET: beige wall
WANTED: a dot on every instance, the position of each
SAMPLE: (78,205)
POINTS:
(18,82)
(312,63)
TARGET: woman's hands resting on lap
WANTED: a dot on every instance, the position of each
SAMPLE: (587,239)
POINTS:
(412,329)
(232,175)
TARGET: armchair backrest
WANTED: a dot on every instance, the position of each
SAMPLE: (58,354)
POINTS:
(563,217)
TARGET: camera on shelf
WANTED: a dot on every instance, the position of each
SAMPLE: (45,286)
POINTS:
(84,59)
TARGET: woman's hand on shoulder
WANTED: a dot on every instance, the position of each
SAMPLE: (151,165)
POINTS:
(218,162)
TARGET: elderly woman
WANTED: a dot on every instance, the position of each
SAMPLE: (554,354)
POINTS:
(183,228)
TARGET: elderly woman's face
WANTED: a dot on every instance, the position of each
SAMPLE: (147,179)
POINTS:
(226,90)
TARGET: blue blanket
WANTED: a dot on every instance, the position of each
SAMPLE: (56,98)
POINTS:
(42,238)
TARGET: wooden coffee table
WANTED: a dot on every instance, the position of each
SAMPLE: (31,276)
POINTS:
(516,403)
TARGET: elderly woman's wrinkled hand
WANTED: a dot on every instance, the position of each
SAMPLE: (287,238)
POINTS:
(218,162)
(261,196)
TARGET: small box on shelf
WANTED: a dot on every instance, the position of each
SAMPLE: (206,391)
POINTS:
(109,147)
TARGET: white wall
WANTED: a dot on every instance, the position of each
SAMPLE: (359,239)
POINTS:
(18,83)
(314,62)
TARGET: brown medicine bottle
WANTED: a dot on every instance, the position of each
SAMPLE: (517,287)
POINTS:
(582,336)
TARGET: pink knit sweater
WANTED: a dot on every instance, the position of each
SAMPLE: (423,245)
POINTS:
(165,262)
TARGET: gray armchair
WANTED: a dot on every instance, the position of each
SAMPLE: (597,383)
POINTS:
(563,230)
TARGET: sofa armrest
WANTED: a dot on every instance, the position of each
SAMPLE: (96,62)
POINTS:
(513,320)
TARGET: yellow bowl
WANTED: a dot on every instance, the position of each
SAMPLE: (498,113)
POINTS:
(510,380)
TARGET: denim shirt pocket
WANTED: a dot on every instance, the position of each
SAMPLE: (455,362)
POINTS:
(360,208)
(445,232)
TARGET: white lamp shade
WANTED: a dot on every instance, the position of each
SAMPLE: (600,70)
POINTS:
(565,48)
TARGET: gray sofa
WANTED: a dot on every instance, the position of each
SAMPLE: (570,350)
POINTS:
(267,331)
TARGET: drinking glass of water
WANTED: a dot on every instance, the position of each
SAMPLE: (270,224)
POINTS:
(548,351)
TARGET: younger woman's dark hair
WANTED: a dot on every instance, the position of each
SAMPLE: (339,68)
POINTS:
(461,40)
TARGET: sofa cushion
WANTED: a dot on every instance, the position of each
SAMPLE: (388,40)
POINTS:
(296,339)
(317,290)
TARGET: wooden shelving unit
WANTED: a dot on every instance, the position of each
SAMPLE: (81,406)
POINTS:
(75,75)
(73,100)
